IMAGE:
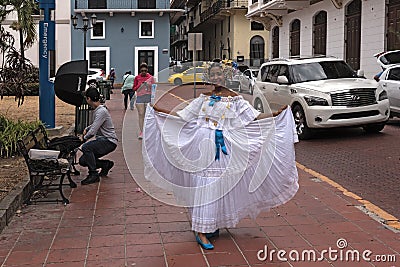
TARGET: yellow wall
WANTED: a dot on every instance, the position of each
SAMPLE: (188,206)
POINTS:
(243,34)
(239,36)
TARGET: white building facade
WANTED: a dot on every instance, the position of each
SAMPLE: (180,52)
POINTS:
(353,30)
(62,17)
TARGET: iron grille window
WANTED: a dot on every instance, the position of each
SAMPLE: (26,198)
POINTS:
(98,29)
(97,4)
(147,4)
(146,29)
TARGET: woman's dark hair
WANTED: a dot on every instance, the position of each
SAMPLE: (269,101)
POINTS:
(143,65)
(128,72)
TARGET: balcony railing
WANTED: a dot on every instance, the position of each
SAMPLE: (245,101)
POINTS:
(178,37)
(118,4)
(222,4)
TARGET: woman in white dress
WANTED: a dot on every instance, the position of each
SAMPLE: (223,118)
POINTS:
(221,158)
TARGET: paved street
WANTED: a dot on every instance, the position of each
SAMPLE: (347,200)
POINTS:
(112,223)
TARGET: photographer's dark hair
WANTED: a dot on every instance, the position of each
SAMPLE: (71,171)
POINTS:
(93,94)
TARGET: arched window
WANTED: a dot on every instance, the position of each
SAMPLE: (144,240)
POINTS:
(319,33)
(353,34)
(295,38)
(275,42)
(257,45)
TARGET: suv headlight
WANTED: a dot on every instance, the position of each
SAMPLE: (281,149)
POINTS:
(382,96)
(316,101)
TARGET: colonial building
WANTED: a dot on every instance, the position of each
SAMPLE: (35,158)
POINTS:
(227,34)
(354,30)
(126,34)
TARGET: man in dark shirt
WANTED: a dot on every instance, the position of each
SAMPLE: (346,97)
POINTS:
(106,139)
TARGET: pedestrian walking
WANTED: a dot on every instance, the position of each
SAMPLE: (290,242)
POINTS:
(104,143)
(127,89)
(112,77)
(142,85)
(221,157)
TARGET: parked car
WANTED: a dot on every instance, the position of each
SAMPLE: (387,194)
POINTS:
(95,75)
(187,76)
(323,93)
(247,80)
(233,82)
(390,82)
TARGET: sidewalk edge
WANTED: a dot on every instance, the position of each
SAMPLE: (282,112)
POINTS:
(11,203)
(383,217)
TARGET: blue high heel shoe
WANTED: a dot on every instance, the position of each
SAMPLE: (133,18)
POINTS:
(211,235)
(205,246)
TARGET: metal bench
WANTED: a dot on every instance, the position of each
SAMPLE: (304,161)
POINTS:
(44,174)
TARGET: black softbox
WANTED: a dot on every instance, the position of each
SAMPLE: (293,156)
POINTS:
(70,82)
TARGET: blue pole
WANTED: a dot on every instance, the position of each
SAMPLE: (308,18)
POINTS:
(46,44)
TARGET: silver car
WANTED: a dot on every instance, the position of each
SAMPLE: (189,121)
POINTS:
(247,80)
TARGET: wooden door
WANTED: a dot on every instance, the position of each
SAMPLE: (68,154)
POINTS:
(353,34)
(275,42)
(393,25)
(319,33)
(295,38)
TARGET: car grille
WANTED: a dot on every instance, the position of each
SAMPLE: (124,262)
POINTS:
(354,98)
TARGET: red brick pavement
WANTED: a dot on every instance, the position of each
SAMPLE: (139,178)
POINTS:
(111,224)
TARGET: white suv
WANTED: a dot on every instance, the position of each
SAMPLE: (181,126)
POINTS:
(323,93)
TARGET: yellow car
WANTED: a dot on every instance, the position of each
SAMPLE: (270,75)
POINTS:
(187,76)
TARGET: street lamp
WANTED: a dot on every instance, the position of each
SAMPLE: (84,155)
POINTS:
(85,27)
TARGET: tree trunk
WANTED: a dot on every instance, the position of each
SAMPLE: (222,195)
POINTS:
(21,45)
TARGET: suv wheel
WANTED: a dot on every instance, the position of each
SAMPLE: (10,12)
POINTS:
(258,105)
(301,124)
(177,81)
(374,128)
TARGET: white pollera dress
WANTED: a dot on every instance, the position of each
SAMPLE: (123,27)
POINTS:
(258,171)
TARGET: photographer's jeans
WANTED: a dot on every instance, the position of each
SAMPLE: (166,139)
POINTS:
(93,150)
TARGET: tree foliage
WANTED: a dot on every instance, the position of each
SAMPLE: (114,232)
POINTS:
(16,71)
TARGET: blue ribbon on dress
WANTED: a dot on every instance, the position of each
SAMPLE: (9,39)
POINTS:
(219,143)
(214,99)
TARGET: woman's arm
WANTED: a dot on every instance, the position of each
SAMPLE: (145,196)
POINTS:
(269,115)
(156,108)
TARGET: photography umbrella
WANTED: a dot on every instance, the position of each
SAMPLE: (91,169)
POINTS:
(70,82)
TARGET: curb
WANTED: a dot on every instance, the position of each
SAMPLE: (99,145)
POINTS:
(369,208)
(11,203)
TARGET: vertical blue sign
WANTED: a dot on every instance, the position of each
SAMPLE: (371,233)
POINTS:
(46,44)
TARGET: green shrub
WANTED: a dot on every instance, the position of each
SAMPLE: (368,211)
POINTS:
(32,89)
(10,132)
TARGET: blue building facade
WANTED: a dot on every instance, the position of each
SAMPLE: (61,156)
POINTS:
(127,33)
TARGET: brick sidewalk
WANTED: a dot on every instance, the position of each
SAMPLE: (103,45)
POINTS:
(111,224)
